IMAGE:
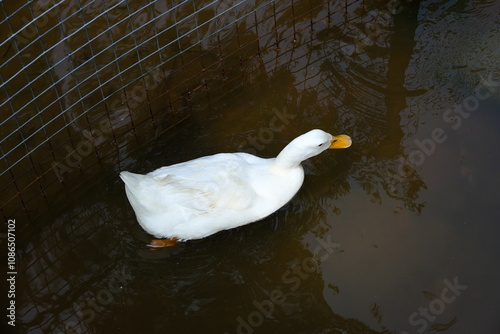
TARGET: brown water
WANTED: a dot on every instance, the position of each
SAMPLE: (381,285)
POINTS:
(397,234)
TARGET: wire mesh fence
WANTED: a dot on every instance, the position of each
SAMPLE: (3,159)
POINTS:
(85,82)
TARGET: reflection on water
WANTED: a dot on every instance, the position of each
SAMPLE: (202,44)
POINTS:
(368,245)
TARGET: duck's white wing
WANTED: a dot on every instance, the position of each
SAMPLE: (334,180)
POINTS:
(206,185)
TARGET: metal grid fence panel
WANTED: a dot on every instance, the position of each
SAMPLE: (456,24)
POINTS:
(74,77)
(82,83)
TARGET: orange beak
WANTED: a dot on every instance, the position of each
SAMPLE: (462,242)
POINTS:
(340,141)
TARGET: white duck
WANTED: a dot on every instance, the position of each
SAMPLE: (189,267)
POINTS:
(197,198)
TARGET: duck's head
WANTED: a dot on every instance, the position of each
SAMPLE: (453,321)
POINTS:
(310,144)
(316,141)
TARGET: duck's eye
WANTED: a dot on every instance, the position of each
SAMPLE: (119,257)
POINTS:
(320,145)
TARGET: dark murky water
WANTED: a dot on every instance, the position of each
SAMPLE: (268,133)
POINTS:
(397,234)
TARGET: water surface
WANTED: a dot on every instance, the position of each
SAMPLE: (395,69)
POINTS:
(397,234)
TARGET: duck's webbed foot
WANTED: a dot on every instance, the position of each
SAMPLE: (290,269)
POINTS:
(160,243)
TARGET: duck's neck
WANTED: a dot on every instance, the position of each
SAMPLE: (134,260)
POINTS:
(288,158)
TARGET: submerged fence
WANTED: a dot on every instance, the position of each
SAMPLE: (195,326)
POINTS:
(84,83)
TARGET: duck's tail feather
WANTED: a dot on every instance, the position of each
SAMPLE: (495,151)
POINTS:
(130,179)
